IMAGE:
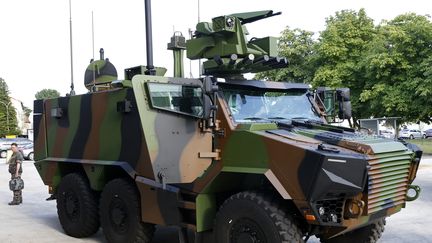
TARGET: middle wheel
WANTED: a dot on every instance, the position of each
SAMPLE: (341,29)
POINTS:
(120,213)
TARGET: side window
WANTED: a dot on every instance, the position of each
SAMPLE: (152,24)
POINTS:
(182,99)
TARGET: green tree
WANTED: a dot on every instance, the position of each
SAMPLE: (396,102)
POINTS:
(8,119)
(388,67)
(398,69)
(297,46)
(47,94)
(339,52)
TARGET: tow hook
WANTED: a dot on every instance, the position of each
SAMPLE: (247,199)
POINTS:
(417,190)
(354,208)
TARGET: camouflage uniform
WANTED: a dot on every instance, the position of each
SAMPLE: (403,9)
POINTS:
(13,161)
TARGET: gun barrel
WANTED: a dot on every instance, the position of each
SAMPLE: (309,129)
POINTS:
(233,59)
(248,59)
(262,59)
(282,62)
(219,61)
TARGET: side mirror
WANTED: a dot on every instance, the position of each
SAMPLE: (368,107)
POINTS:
(209,85)
(209,88)
(208,107)
(327,97)
(343,98)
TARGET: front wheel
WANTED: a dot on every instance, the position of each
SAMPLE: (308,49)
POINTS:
(120,213)
(31,156)
(368,234)
(253,217)
(411,136)
(3,154)
(77,206)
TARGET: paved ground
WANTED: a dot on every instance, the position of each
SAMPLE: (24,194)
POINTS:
(36,219)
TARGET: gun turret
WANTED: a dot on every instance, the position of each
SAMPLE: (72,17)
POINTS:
(224,44)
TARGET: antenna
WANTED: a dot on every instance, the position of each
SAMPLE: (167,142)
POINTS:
(93,51)
(190,60)
(199,61)
(72,92)
(199,10)
(149,41)
(93,36)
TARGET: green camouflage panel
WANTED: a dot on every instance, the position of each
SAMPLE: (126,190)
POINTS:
(99,72)
(90,132)
(176,141)
(179,151)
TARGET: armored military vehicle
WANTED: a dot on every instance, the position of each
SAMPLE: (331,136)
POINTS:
(231,159)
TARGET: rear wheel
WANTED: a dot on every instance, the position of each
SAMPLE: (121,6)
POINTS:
(31,156)
(368,234)
(411,136)
(77,206)
(249,217)
(3,154)
(424,136)
(120,213)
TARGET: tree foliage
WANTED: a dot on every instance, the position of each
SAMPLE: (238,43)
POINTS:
(398,69)
(388,67)
(47,94)
(339,51)
(8,119)
(297,46)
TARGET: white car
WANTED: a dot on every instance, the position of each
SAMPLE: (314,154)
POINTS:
(5,144)
(410,133)
(386,134)
(27,151)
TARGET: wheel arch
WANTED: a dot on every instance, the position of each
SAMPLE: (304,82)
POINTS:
(98,173)
(226,184)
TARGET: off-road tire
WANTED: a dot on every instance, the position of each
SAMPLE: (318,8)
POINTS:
(77,206)
(120,202)
(368,234)
(255,217)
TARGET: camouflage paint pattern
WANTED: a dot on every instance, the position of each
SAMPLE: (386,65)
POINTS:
(163,153)
(90,132)
(182,168)
(99,73)
(176,141)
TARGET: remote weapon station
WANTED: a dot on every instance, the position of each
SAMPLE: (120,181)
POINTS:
(231,159)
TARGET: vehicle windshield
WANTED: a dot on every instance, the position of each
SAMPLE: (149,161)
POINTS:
(261,105)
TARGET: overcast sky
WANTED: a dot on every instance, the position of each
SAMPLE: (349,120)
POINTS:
(34,34)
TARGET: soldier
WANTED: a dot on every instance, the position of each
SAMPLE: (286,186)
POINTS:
(15,168)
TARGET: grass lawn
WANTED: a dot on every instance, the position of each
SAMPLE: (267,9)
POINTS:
(424,144)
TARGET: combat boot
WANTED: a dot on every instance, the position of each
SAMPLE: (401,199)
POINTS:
(17,197)
(13,203)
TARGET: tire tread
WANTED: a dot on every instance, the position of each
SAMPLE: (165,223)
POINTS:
(145,231)
(286,226)
(91,224)
(367,234)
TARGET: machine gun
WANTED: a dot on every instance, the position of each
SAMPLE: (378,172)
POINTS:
(229,54)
